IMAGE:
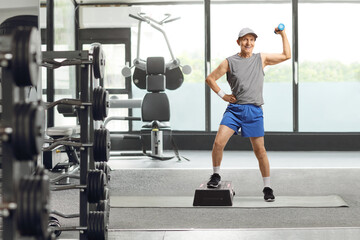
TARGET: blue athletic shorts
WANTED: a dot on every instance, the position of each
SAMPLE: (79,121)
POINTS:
(248,117)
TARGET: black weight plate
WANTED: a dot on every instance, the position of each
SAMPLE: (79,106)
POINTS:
(102,184)
(102,206)
(98,61)
(97,228)
(105,104)
(42,203)
(139,78)
(21,201)
(95,106)
(10,24)
(28,134)
(174,78)
(90,186)
(24,204)
(93,186)
(17,51)
(97,189)
(37,122)
(27,129)
(108,144)
(16,136)
(100,104)
(27,224)
(96,145)
(90,226)
(102,145)
(20,143)
(103,166)
(34,57)
(27,56)
(37,206)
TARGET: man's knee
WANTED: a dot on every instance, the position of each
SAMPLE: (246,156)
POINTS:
(260,151)
(219,145)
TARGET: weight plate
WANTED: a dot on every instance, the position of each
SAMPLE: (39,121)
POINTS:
(97,226)
(96,146)
(98,61)
(28,133)
(100,104)
(21,201)
(106,144)
(26,50)
(102,145)
(37,122)
(26,126)
(104,167)
(95,105)
(20,149)
(105,104)
(42,202)
(23,214)
(92,188)
(102,183)
(91,226)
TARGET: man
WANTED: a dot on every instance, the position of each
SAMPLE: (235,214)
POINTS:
(245,75)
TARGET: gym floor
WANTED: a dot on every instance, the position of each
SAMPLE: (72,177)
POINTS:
(293,174)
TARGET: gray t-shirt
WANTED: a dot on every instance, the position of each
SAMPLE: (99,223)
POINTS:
(246,78)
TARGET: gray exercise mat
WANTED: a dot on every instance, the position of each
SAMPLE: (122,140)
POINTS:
(331,201)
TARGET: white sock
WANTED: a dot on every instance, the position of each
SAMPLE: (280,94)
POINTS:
(216,169)
(266,181)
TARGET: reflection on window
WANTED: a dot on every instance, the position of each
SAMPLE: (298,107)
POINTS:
(329,79)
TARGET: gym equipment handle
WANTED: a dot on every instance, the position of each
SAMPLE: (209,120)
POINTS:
(136,17)
(280,27)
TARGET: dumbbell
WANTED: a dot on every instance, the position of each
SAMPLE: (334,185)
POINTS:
(96,186)
(97,226)
(280,27)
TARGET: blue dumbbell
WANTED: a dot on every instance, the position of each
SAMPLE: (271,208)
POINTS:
(280,27)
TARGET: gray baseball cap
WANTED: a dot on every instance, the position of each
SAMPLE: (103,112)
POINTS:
(246,31)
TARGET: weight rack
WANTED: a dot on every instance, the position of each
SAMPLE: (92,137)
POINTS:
(24,194)
(90,69)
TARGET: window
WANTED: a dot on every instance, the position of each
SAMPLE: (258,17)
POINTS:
(186,38)
(226,22)
(329,76)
